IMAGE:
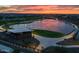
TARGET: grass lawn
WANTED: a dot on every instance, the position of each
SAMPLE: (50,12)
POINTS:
(47,33)
(69,42)
(72,43)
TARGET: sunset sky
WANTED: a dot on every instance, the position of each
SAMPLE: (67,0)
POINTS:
(40,9)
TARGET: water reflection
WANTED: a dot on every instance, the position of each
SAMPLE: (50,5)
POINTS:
(52,25)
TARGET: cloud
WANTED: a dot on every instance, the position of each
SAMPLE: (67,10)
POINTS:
(39,9)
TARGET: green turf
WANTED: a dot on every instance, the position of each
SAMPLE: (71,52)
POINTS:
(72,43)
(47,33)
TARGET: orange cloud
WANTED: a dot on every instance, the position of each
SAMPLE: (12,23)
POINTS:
(43,9)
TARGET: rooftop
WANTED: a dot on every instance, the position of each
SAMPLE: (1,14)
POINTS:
(5,48)
(18,28)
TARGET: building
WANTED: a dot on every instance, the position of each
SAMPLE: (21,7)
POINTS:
(7,49)
(20,31)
